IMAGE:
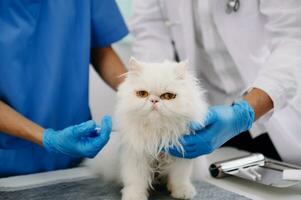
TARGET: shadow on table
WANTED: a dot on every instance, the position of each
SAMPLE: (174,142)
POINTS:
(96,189)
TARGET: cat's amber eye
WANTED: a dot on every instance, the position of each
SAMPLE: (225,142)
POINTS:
(168,96)
(142,93)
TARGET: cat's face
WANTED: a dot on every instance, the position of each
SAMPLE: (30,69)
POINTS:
(154,90)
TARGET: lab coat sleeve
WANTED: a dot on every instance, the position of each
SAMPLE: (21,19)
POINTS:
(280,72)
(107,24)
(151,37)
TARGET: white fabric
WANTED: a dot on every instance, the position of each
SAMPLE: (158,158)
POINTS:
(263,38)
(223,81)
(222,72)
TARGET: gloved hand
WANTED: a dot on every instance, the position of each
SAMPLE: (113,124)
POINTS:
(220,125)
(80,140)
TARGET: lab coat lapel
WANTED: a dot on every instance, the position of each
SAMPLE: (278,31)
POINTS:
(242,39)
(183,31)
(188,29)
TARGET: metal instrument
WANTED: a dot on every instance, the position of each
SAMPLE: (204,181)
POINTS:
(255,167)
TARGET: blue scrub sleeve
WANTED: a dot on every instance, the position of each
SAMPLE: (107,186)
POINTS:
(108,26)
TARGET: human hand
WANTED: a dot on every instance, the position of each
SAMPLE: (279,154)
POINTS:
(220,125)
(80,140)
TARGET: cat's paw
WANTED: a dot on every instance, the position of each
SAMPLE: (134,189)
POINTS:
(134,193)
(182,191)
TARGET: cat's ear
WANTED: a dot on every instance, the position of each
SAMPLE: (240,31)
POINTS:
(134,65)
(181,69)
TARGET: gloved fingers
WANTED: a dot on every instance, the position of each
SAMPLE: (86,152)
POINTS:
(189,154)
(188,140)
(195,126)
(91,154)
(99,141)
(106,127)
(185,150)
(85,129)
(210,134)
(210,117)
(190,149)
(104,134)
(175,152)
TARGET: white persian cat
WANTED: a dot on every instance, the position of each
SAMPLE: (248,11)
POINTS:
(155,104)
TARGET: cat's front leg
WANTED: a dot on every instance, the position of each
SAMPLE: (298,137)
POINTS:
(135,176)
(179,179)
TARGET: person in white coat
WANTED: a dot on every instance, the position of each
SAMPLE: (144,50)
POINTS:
(249,49)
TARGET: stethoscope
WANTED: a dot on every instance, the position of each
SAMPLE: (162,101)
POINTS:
(231,6)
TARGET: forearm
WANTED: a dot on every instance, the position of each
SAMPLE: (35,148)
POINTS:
(108,65)
(13,123)
(259,101)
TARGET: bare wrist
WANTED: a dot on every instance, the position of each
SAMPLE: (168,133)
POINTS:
(34,133)
(260,101)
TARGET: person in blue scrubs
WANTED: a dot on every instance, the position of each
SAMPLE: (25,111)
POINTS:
(45,51)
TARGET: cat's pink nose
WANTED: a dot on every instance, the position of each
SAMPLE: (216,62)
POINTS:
(154,101)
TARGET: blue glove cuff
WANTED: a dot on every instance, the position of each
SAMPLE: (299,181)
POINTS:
(47,140)
(245,115)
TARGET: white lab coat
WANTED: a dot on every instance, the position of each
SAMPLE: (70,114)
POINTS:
(264,39)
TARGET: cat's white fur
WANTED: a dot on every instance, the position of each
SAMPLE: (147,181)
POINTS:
(134,154)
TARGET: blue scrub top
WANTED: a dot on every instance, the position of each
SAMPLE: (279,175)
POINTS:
(44,69)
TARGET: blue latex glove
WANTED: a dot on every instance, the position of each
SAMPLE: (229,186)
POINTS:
(221,124)
(80,140)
